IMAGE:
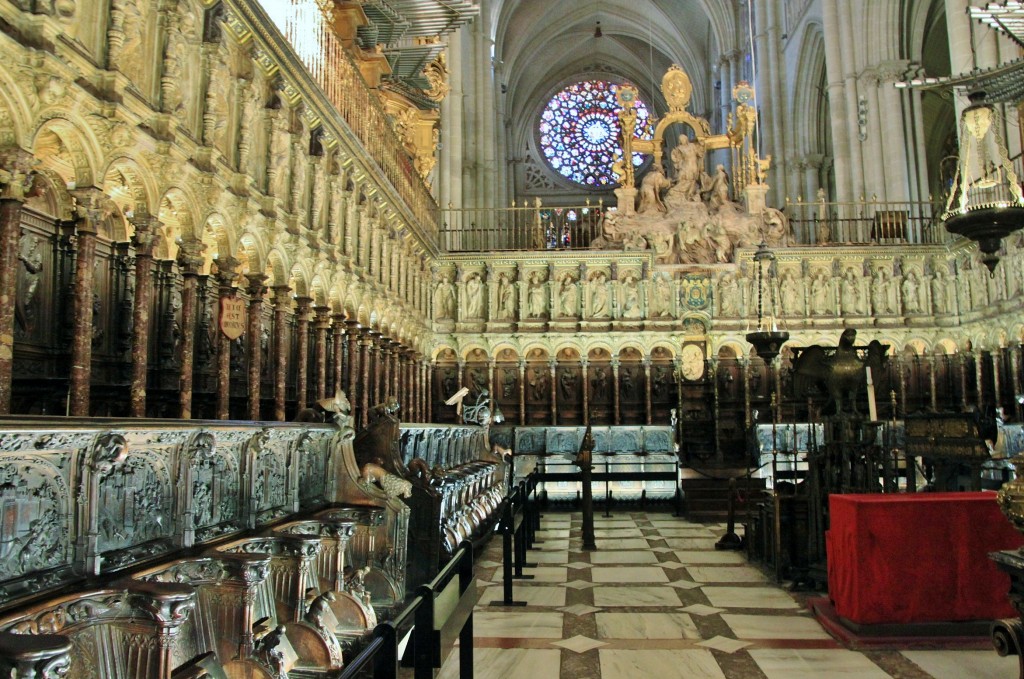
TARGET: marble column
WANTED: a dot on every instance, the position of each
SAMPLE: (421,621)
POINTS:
(226,275)
(322,325)
(615,392)
(190,262)
(490,384)
(585,380)
(256,287)
(552,373)
(397,351)
(961,368)
(338,347)
(354,370)
(522,392)
(15,182)
(90,210)
(302,310)
(365,342)
(143,240)
(282,305)
(647,389)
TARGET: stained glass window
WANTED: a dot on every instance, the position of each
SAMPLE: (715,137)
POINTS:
(579,132)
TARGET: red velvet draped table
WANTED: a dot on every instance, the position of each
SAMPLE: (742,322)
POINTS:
(918,558)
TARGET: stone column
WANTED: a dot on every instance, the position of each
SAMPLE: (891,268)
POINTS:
(385,353)
(354,370)
(961,367)
(303,305)
(90,211)
(226,275)
(490,384)
(552,371)
(323,324)
(365,342)
(397,363)
(282,305)
(374,368)
(15,182)
(338,333)
(256,287)
(190,262)
(143,240)
(522,391)
(585,379)
(615,391)
(647,388)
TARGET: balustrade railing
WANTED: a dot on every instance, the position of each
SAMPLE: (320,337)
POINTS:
(304,27)
(866,222)
(526,227)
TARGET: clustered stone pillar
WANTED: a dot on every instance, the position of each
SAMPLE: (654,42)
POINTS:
(190,261)
(323,324)
(338,350)
(226,275)
(12,197)
(302,353)
(365,341)
(89,213)
(354,369)
(143,238)
(256,287)
(282,305)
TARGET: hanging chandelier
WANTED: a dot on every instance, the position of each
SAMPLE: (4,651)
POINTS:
(767,339)
(985,202)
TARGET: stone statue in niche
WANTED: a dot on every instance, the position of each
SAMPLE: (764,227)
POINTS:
(821,293)
(31,257)
(474,296)
(125,36)
(729,296)
(536,298)
(538,381)
(661,296)
(178,81)
(879,291)
(567,296)
(631,298)
(791,291)
(659,382)
(912,293)
(599,295)
(505,301)
(940,292)
(444,299)
(567,384)
(849,293)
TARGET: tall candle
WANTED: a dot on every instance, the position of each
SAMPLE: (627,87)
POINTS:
(872,408)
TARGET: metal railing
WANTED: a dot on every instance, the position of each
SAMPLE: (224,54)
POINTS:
(307,31)
(440,612)
(867,222)
(526,227)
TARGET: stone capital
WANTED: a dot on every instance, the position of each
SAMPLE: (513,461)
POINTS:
(256,286)
(91,207)
(16,174)
(190,256)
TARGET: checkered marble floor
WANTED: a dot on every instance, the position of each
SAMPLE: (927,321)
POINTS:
(656,600)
